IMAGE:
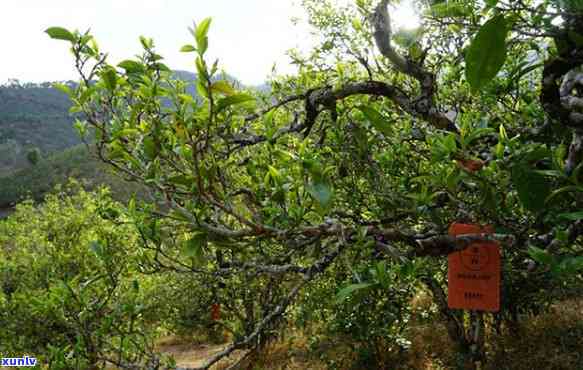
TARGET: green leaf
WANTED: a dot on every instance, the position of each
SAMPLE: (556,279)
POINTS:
(203,28)
(487,53)
(233,100)
(201,69)
(186,98)
(201,89)
(194,247)
(202,45)
(201,35)
(356,24)
(541,256)
(523,72)
(146,42)
(503,135)
(346,291)
(450,9)
(274,173)
(314,168)
(571,265)
(565,189)
(443,146)
(382,274)
(109,77)
(550,173)
(223,87)
(500,150)
(409,269)
(81,127)
(376,119)
(162,67)
(450,143)
(132,66)
(574,216)
(559,157)
(533,188)
(475,134)
(59,33)
(63,88)
(187,49)
(322,192)
(150,148)
(128,132)
(183,180)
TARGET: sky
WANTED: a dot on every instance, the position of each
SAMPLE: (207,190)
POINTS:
(247,36)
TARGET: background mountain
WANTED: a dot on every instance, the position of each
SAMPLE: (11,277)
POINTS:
(33,116)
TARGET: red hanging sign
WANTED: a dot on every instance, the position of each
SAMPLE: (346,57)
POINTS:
(216,312)
(474,273)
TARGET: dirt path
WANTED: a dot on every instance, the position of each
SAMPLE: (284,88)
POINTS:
(275,357)
(187,355)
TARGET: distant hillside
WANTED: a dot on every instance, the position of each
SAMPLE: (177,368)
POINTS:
(76,162)
(33,116)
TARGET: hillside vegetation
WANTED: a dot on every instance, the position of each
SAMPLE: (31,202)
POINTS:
(78,162)
(33,116)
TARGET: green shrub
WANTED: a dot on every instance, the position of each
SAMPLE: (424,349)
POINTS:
(70,293)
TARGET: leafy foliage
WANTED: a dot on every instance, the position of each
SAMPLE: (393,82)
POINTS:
(487,52)
(33,116)
(69,289)
(346,178)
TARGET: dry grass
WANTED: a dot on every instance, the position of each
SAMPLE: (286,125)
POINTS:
(553,340)
(289,355)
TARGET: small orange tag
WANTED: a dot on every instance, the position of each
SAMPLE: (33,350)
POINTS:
(470,165)
(216,312)
(474,273)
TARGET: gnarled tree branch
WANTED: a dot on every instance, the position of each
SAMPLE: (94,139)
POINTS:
(423,104)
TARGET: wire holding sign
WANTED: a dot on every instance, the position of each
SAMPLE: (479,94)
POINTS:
(474,273)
